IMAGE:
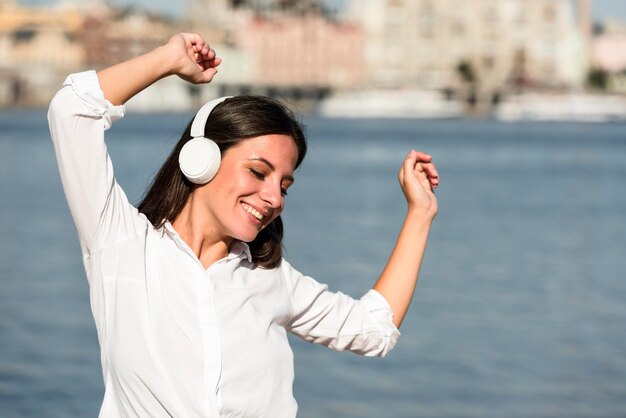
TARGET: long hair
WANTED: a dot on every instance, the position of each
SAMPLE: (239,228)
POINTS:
(231,122)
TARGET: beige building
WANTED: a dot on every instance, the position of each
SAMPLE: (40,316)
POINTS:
(113,36)
(608,50)
(421,43)
(608,53)
(37,49)
(281,43)
(303,50)
(40,46)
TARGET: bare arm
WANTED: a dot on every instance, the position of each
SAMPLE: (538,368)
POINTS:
(187,55)
(418,177)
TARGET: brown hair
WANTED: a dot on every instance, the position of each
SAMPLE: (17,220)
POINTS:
(234,120)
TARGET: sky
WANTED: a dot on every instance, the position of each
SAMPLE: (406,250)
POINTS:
(602,9)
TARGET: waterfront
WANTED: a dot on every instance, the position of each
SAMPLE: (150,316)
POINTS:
(519,312)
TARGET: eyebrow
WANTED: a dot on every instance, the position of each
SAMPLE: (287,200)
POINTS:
(271,166)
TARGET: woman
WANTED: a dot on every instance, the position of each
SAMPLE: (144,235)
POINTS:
(191,297)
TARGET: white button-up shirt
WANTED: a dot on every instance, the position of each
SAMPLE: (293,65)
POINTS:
(177,339)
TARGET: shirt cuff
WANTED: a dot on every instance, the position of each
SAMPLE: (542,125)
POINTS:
(378,306)
(87,87)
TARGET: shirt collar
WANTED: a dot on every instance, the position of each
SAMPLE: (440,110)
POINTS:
(240,248)
(237,249)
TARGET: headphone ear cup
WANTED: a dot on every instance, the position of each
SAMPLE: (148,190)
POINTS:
(199,160)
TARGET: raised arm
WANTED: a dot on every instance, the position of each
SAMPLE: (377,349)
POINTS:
(186,55)
(78,117)
(418,177)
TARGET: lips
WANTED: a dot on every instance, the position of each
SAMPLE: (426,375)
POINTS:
(252,211)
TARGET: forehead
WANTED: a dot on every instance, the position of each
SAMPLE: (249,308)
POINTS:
(280,150)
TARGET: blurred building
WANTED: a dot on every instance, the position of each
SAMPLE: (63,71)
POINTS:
(228,15)
(286,43)
(609,48)
(475,50)
(37,48)
(115,35)
(608,53)
(303,50)
(493,44)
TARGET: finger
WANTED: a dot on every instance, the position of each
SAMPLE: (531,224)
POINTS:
(210,60)
(200,47)
(407,166)
(419,172)
(423,157)
(206,53)
(195,39)
(211,64)
(410,162)
(421,176)
(431,170)
(206,75)
(426,175)
(430,176)
(434,179)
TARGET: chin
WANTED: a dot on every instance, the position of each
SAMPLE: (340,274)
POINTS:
(247,236)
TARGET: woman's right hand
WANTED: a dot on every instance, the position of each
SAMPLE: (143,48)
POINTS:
(187,55)
(194,60)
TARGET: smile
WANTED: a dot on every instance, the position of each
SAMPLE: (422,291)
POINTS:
(252,211)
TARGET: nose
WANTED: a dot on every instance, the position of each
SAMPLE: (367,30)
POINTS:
(272,195)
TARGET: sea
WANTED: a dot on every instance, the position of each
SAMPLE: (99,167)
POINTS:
(520,309)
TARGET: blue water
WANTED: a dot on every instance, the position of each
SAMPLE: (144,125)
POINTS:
(521,306)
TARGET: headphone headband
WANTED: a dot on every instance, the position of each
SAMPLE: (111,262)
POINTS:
(199,122)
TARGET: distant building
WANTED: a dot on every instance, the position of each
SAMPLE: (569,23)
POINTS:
(608,50)
(40,46)
(116,35)
(284,42)
(303,50)
(424,43)
(37,49)
(608,53)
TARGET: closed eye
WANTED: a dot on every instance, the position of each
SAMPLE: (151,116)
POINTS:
(259,175)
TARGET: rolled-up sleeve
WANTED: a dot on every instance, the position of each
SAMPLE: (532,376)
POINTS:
(78,116)
(363,326)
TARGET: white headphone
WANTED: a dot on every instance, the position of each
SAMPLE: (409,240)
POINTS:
(200,157)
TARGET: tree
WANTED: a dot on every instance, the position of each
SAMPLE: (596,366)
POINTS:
(466,71)
(598,78)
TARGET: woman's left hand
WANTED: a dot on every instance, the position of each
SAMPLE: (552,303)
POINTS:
(418,178)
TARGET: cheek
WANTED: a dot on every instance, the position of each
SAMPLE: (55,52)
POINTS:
(228,184)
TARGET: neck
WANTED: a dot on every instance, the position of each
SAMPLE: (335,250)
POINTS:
(201,236)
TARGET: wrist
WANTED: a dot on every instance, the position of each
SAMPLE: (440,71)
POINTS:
(164,64)
(422,214)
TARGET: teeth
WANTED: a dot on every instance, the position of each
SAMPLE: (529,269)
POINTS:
(253,212)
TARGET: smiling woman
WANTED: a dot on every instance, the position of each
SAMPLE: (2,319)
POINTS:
(238,122)
(191,297)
